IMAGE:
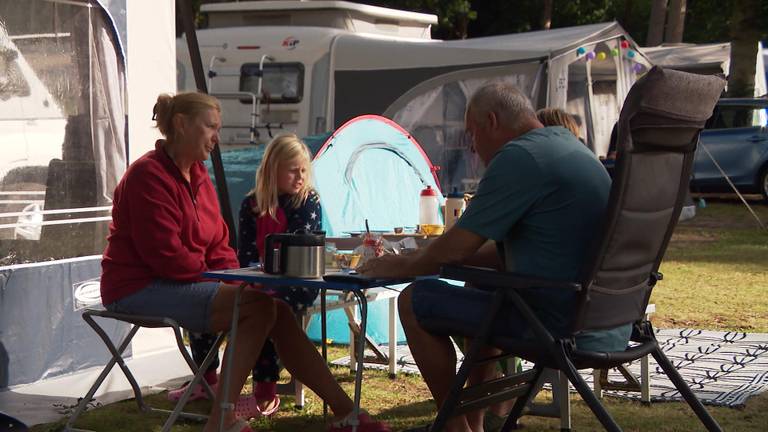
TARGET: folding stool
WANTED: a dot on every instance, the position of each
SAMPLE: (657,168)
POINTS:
(138,322)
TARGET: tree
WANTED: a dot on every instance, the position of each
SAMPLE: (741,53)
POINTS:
(675,21)
(656,22)
(745,33)
(453,16)
(546,18)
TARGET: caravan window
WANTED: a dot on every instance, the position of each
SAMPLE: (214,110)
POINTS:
(281,82)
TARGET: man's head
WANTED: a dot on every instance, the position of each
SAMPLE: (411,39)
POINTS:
(496,114)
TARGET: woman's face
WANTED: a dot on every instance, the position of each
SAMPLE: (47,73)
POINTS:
(201,134)
(291,176)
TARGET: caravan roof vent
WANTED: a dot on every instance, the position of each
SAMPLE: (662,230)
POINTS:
(357,18)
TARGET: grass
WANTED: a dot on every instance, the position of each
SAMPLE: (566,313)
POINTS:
(716,272)
(715,277)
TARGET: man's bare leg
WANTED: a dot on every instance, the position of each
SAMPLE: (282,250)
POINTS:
(435,358)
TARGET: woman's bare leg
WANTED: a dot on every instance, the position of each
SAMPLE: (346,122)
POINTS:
(303,361)
(257,317)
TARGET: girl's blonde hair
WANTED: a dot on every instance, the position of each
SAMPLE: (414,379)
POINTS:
(189,104)
(558,117)
(284,148)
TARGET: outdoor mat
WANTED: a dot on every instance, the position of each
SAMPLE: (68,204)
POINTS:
(722,368)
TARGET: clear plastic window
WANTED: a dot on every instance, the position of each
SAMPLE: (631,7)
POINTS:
(281,82)
(62,123)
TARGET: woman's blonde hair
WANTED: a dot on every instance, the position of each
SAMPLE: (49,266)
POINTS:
(189,104)
(284,148)
(558,117)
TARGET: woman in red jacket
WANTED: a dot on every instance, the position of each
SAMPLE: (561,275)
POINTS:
(166,230)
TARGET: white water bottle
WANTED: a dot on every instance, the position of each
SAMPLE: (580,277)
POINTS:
(429,208)
(454,207)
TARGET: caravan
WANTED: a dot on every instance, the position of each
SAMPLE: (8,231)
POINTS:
(270,61)
(309,67)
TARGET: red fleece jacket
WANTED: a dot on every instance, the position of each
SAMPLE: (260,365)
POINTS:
(163,227)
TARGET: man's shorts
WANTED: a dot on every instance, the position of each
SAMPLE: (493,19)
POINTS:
(447,309)
(189,304)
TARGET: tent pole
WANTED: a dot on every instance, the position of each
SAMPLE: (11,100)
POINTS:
(728,179)
(188,20)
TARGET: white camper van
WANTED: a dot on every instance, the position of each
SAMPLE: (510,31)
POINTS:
(318,64)
(270,61)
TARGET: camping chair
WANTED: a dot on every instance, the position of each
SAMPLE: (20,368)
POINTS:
(658,132)
(117,358)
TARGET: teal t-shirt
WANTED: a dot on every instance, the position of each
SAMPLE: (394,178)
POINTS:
(543,196)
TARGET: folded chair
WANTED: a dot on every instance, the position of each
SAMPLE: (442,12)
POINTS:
(658,132)
(117,358)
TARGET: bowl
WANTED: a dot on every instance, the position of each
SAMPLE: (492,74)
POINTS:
(431,230)
(347,261)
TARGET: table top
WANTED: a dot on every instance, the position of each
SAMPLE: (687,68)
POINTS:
(332,280)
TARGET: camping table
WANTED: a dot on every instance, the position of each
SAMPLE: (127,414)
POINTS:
(352,284)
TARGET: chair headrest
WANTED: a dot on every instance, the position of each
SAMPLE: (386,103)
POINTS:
(677,94)
(665,97)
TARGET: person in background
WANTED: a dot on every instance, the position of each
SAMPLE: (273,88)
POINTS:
(540,200)
(166,231)
(284,190)
(558,117)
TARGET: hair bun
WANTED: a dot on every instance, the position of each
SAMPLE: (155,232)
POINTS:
(162,112)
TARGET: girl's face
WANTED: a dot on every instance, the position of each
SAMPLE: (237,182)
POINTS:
(291,176)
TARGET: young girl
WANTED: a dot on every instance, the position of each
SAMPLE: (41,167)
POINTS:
(282,201)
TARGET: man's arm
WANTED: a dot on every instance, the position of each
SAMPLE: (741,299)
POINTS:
(453,247)
(486,256)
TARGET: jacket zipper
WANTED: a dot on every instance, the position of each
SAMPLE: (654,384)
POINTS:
(192,196)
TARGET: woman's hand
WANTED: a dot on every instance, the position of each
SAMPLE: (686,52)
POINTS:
(389,266)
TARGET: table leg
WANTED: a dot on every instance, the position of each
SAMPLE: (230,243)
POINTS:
(363,303)
(324,338)
(392,338)
(226,405)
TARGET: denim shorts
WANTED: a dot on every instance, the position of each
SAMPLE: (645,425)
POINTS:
(189,304)
(443,308)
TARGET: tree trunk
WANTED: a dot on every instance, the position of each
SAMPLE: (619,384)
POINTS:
(656,23)
(546,17)
(675,21)
(744,36)
(461,27)
(626,20)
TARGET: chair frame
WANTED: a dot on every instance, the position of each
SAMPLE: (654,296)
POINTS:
(659,103)
(558,354)
(116,351)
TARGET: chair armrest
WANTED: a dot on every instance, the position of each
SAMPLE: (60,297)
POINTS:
(489,279)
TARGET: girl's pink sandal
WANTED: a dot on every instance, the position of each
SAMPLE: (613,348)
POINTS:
(247,407)
(275,406)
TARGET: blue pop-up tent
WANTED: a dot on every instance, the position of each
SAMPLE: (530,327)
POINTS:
(371,168)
